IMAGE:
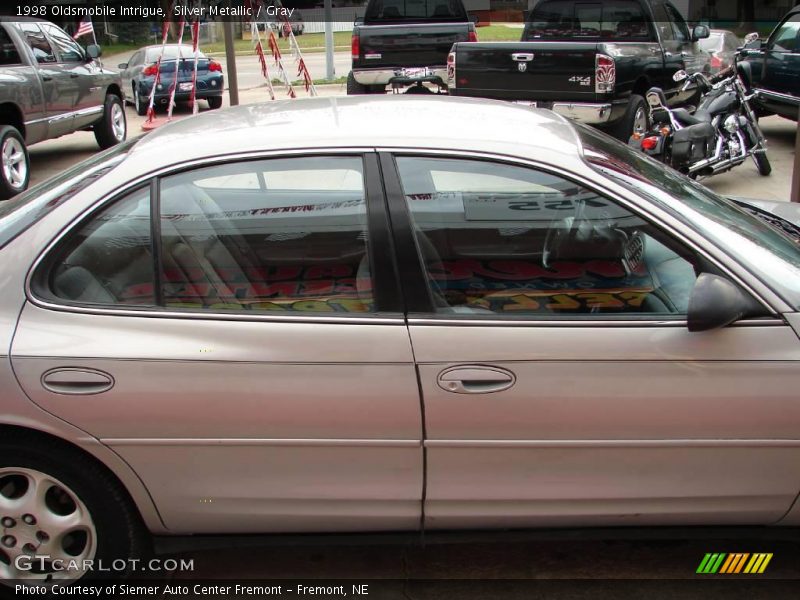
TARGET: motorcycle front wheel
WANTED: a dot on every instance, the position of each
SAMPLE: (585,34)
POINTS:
(762,163)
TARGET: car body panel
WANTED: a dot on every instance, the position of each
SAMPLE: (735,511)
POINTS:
(187,410)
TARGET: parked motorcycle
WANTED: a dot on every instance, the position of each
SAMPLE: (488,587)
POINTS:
(721,134)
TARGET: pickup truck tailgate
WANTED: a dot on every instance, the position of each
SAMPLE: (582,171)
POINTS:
(408,45)
(545,71)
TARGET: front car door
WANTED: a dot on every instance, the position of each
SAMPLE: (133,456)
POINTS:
(262,380)
(781,83)
(89,99)
(60,89)
(560,383)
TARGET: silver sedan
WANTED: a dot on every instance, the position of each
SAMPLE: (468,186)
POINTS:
(384,314)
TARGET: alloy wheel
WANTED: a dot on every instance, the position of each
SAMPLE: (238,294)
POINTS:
(118,121)
(40,516)
(15,166)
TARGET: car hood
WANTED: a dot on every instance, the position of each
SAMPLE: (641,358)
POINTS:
(789,211)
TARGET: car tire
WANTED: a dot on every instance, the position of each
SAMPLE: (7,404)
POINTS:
(139,104)
(15,165)
(214,102)
(105,527)
(354,88)
(113,127)
(634,118)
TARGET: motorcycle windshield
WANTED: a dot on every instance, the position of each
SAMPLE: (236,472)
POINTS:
(769,253)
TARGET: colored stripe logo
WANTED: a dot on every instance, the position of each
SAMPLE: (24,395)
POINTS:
(734,564)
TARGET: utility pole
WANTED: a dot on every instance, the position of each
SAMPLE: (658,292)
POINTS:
(330,72)
(230,59)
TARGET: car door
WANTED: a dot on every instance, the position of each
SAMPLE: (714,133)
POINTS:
(260,382)
(782,63)
(560,383)
(60,89)
(90,97)
(673,60)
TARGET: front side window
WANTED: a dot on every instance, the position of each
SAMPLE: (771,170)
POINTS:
(37,41)
(785,39)
(679,27)
(509,240)
(68,50)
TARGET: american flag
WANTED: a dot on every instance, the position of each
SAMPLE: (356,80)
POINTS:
(84,28)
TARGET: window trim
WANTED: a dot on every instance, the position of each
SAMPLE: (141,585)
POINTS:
(404,241)
(387,281)
(57,50)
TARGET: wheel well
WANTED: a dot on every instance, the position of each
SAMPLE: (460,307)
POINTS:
(27,435)
(641,86)
(11,115)
(115,89)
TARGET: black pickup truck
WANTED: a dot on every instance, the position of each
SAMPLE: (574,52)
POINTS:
(405,42)
(589,60)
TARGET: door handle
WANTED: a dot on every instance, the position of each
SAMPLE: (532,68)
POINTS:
(47,78)
(475,379)
(77,381)
(73,75)
(522,56)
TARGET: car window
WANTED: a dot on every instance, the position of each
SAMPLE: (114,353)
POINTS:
(8,51)
(381,11)
(785,39)
(614,19)
(679,27)
(109,259)
(663,22)
(509,240)
(68,49)
(136,59)
(278,235)
(37,42)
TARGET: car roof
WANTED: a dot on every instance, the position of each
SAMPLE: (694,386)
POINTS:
(392,121)
(11,19)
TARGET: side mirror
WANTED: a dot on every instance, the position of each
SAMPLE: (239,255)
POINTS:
(716,302)
(680,76)
(122,66)
(94,51)
(700,32)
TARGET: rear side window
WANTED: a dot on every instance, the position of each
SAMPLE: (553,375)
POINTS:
(68,50)
(36,40)
(8,51)
(380,11)
(566,19)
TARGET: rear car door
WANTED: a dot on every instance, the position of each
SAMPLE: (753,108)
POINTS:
(88,103)
(262,380)
(561,385)
(60,90)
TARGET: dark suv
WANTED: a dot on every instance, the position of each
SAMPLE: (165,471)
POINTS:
(50,86)
(776,68)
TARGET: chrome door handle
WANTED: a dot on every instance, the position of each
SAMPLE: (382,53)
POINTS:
(77,381)
(73,75)
(47,78)
(522,56)
(475,379)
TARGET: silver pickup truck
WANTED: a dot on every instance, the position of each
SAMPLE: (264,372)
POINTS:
(50,86)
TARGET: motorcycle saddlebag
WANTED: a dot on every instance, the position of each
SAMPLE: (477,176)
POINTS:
(692,143)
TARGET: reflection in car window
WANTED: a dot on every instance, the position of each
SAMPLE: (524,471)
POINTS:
(381,11)
(785,39)
(36,40)
(510,240)
(679,27)
(8,51)
(611,19)
(68,50)
(109,259)
(274,235)
(736,230)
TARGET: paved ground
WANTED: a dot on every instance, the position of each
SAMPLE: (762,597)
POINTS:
(615,564)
